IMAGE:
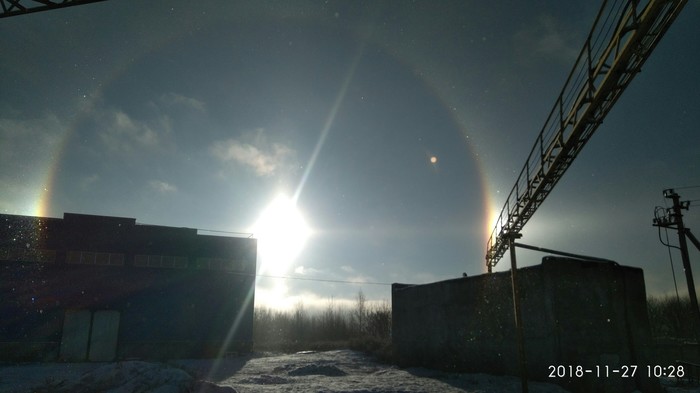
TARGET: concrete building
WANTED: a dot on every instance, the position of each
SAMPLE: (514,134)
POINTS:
(102,288)
(575,313)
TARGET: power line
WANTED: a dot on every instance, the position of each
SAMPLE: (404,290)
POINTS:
(248,234)
(684,188)
(670,257)
(323,280)
(311,279)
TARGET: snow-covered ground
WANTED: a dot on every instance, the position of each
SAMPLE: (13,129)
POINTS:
(350,371)
(331,371)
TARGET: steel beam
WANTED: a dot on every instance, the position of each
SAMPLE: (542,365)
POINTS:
(21,7)
(519,333)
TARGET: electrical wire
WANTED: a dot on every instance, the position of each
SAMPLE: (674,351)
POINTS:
(668,247)
(247,234)
(323,280)
(685,188)
(670,258)
(661,218)
(309,279)
(667,244)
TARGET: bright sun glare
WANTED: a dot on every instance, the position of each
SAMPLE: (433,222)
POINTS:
(282,232)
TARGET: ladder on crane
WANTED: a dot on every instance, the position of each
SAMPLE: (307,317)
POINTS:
(623,36)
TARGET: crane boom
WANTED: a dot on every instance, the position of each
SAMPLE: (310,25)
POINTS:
(621,39)
(21,7)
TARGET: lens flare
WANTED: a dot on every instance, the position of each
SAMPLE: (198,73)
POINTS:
(282,232)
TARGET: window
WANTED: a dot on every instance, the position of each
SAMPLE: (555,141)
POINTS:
(28,255)
(214,263)
(95,258)
(160,261)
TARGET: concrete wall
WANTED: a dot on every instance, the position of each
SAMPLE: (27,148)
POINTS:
(574,313)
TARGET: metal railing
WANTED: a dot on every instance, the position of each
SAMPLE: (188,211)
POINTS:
(623,36)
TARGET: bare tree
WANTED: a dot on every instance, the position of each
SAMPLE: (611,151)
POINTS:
(359,314)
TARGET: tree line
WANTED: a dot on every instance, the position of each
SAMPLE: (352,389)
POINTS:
(670,317)
(367,326)
(363,326)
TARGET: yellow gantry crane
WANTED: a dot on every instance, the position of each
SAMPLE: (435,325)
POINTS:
(623,36)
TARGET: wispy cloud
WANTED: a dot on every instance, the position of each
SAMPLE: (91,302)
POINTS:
(120,133)
(264,158)
(87,182)
(306,271)
(179,100)
(161,186)
(546,38)
(347,269)
(123,134)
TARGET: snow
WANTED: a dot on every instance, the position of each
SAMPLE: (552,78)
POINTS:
(331,371)
(350,371)
(338,371)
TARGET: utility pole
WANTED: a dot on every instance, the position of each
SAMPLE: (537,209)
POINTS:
(675,220)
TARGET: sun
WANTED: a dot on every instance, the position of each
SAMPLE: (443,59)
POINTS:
(282,233)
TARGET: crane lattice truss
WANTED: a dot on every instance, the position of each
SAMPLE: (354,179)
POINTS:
(20,7)
(623,36)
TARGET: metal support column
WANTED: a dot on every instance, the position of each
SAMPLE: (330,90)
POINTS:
(678,220)
(522,362)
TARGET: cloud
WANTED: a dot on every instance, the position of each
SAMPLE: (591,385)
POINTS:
(161,186)
(122,134)
(263,158)
(306,271)
(174,99)
(87,182)
(348,273)
(546,38)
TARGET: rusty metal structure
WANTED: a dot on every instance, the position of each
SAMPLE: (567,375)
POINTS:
(622,38)
(21,7)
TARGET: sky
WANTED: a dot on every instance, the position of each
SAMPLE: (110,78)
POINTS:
(363,143)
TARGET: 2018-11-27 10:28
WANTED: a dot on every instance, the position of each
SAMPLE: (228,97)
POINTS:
(626,371)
